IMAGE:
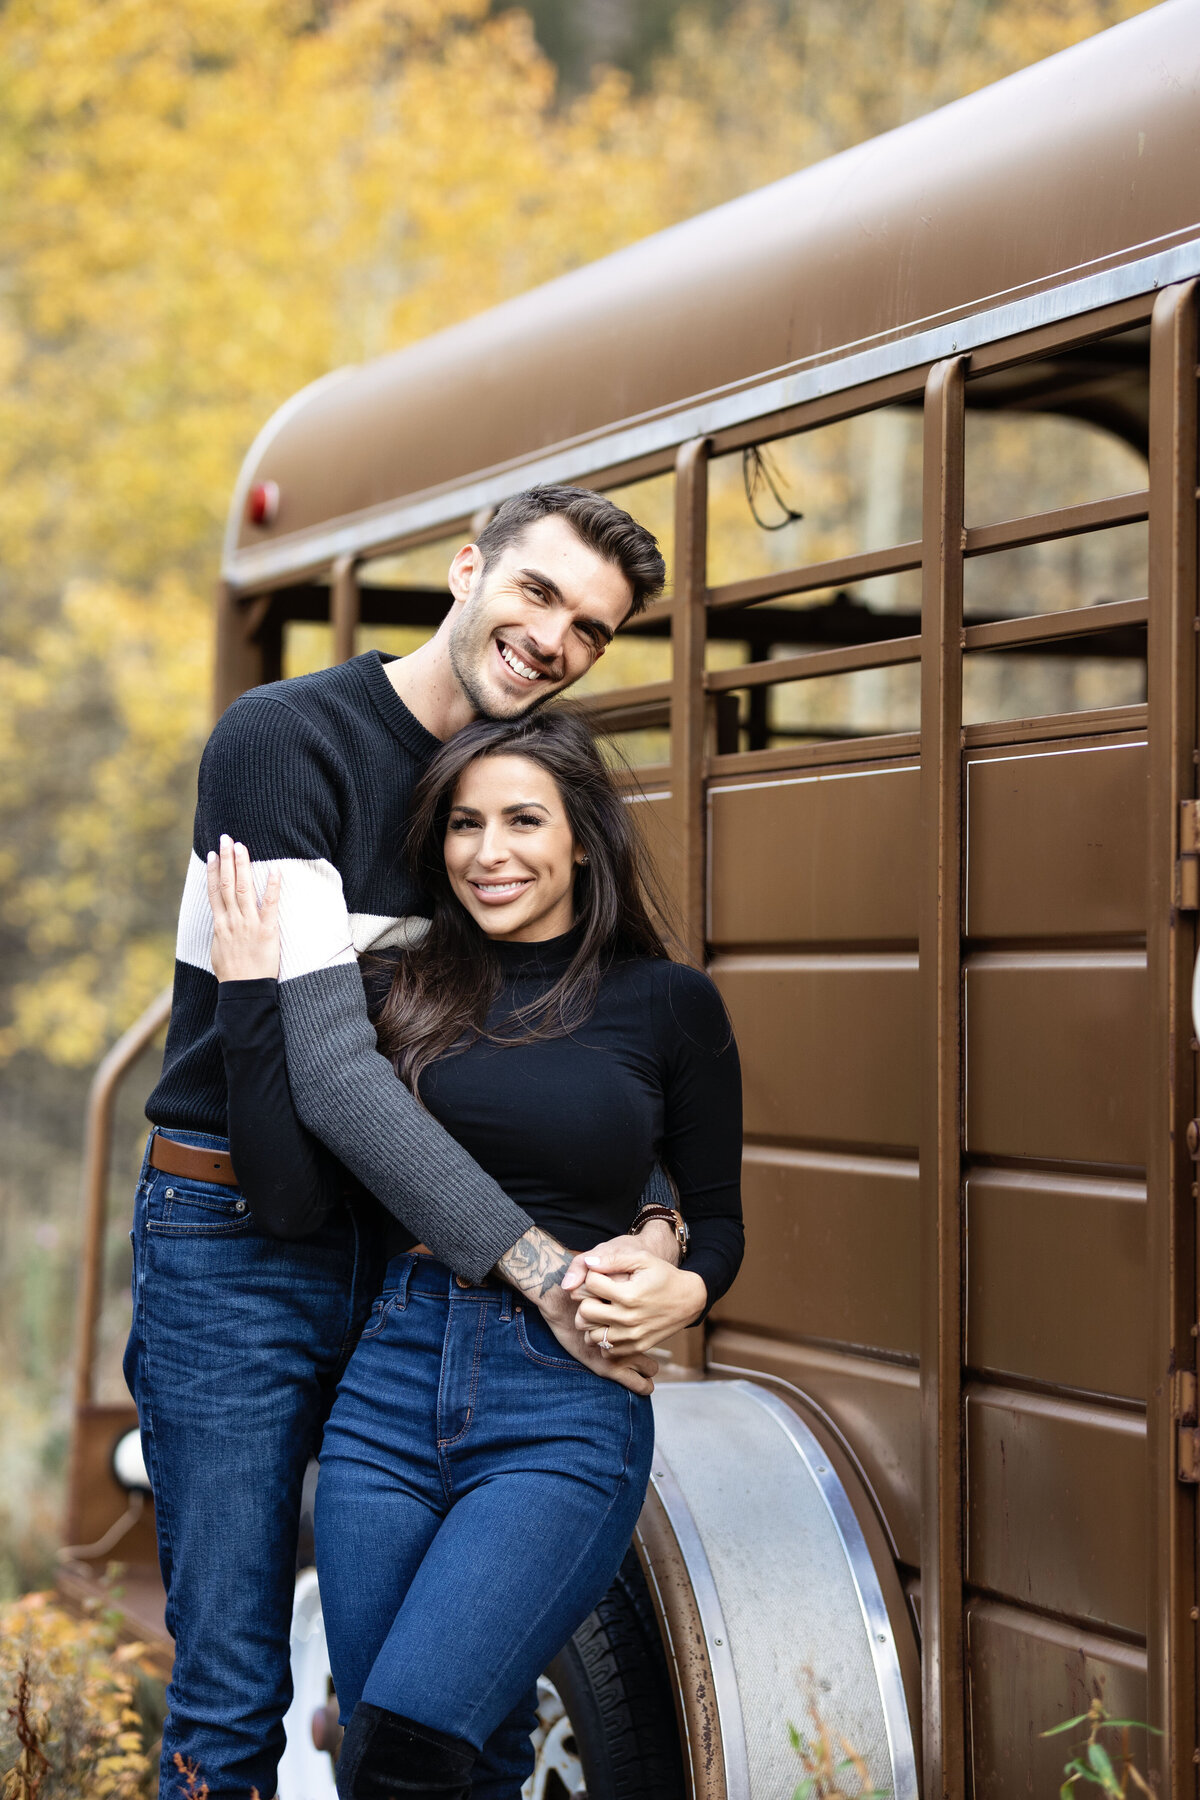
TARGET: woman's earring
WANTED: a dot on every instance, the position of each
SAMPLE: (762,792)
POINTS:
(585,858)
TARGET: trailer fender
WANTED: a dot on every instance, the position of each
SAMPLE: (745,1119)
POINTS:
(775,1609)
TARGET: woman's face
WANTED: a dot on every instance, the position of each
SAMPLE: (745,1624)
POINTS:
(510,853)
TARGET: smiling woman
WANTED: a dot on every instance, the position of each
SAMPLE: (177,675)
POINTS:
(539,1020)
(511,855)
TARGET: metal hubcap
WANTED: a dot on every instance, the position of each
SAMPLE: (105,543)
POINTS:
(557,1770)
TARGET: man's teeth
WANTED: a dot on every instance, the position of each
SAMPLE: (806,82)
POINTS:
(514,662)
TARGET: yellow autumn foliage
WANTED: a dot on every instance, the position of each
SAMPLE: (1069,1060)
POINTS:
(69,1725)
(204,204)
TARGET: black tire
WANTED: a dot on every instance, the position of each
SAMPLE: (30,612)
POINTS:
(612,1678)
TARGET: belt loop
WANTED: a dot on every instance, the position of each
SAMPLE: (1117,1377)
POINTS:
(506,1300)
(406,1269)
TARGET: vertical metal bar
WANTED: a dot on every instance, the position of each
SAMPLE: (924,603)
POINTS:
(239,656)
(1171,952)
(942,1530)
(344,608)
(688,627)
(689,624)
(97,1153)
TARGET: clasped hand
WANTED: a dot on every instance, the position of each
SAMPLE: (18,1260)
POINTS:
(630,1300)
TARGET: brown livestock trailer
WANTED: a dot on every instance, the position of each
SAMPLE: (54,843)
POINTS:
(936,1466)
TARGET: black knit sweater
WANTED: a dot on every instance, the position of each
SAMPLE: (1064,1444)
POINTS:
(314,776)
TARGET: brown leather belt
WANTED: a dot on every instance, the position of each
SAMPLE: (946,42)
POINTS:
(190,1163)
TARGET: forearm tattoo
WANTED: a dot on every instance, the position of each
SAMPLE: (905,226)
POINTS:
(535,1264)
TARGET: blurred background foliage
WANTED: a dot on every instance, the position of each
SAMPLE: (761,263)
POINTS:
(204,204)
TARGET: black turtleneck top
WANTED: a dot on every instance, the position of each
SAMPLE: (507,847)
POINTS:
(570,1127)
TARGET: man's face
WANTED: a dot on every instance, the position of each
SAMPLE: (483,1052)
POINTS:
(534,620)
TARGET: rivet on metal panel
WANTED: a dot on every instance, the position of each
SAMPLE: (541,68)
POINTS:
(1193,1139)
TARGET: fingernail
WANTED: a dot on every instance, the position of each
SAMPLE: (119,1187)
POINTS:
(225,838)
(212,856)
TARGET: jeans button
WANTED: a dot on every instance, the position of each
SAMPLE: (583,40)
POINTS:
(239,1206)
(170,1194)
(462,1282)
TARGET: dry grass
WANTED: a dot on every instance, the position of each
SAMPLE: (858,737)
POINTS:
(75,1726)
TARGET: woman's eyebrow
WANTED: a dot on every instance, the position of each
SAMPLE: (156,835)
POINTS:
(525,805)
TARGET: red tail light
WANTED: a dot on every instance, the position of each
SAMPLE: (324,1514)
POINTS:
(263,503)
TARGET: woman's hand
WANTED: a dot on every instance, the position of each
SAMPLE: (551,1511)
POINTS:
(245,944)
(632,1300)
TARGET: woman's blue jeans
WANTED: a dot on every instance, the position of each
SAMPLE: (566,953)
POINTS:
(237,1344)
(478,1490)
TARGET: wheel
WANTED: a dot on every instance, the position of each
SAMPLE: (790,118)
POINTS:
(606,1721)
(617,1725)
(306,1773)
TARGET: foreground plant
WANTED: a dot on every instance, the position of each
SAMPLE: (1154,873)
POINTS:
(69,1727)
(1094,1764)
(825,1771)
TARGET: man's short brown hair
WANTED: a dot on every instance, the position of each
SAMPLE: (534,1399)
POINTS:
(596,521)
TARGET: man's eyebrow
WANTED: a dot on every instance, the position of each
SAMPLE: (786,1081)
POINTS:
(551,586)
(547,581)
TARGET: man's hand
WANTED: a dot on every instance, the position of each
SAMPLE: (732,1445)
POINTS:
(631,1300)
(635,1371)
(656,1236)
(245,944)
(536,1266)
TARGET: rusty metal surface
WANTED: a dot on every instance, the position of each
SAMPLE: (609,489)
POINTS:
(95,1500)
(683,1636)
(1056,1505)
(1028,1675)
(1024,1228)
(823,859)
(1060,174)
(873,1406)
(1056,843)
(828,1044)
(832,1249)
(1056,1055)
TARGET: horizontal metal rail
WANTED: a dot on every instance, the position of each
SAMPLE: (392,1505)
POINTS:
(978,540)
(816,662)
(837,573)
(1043,628)
(641,707)
(1065,521)
(649,693)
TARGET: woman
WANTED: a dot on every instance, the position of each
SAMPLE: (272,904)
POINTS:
(479,1487)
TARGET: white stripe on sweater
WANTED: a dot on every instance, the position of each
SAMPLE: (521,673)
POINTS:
(315,929)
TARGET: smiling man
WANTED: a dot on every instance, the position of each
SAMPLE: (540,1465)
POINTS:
(241,1328)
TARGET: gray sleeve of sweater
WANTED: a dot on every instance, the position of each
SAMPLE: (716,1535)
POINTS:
(349,1097)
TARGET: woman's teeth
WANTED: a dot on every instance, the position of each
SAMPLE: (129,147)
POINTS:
(498,889)
(517,666)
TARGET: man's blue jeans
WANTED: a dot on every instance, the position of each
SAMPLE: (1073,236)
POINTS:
(237,1344)
(478,1490)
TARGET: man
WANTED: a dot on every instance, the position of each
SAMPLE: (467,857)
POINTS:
(239,1338)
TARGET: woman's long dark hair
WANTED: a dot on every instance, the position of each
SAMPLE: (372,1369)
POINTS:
(440,991)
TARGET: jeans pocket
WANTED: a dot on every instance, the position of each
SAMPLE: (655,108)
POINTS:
(195,1209)
(378,1316)
(540,1344)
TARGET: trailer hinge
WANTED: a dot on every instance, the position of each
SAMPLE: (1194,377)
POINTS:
(1188,1462)
(1187,869)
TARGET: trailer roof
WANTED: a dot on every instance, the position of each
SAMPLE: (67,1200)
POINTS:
(1079,165)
